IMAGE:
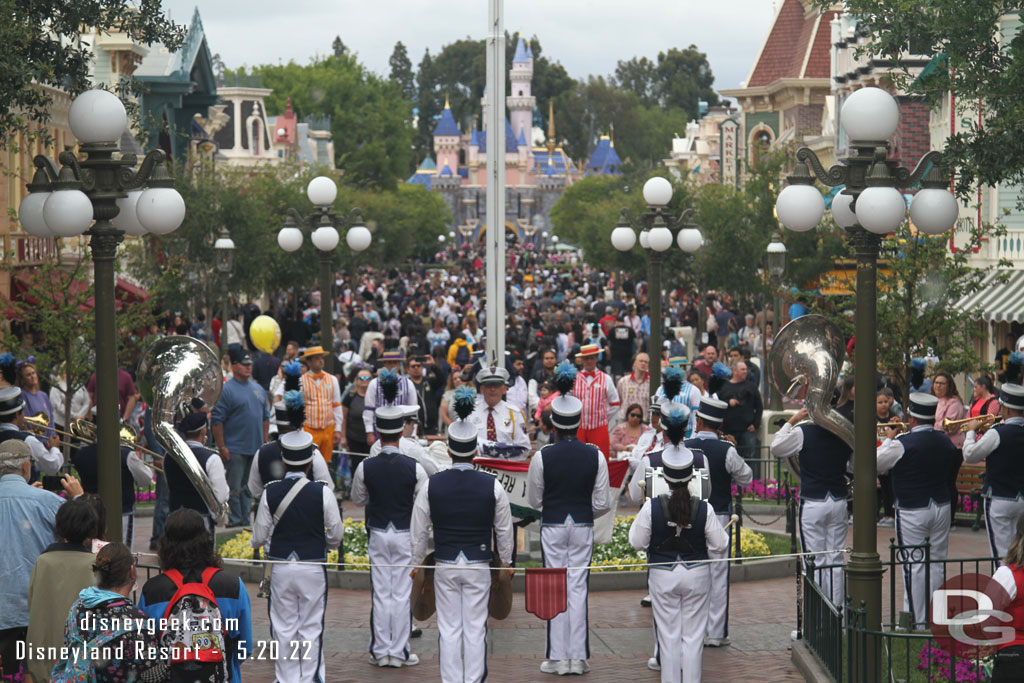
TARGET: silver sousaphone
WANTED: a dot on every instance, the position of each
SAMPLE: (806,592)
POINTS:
(173,371)
(808,353)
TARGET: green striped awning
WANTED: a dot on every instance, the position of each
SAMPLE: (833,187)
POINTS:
(999,302)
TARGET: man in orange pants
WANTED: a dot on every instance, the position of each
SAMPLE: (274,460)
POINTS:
(597,392)
(323,403)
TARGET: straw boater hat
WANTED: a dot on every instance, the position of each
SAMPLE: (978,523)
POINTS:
(392,356)
(589,350)
(313,351)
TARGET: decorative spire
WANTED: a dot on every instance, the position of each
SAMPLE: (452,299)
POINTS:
(447,105)
(288,108)
(611,133)
(551,129)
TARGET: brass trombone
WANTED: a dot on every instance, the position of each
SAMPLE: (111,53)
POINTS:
(963,425)
(85,431)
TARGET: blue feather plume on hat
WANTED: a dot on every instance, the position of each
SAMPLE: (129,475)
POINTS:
(464,402)
(674,422)
(721,370)
(671,382)
(565,377)
(292,372)
(388,382)
(295,406)
(1017,358)
(6,359)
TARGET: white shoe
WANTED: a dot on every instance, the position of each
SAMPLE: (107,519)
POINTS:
(794,635)
(550,666)
(716,642)
(383,661)
(653,664)
(645,601)
(579,666)
(412,660)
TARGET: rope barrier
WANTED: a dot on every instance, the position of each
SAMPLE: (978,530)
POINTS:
(486,566)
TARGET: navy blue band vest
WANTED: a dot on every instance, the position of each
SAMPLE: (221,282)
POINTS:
(823,460)
(654,458)
(462,512)
(570,469)
(391,482)
(300,531)
(1004,467)
(181,493)
(661,531)
(921,474)
(715,452)
(269,463)
(21,436)
(85,462)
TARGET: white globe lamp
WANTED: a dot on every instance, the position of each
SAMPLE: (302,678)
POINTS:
(800,207)
(325,238)
(841,211)
(322,191)
(689,240)
(657,192)
(870,115)
(881,209)
(623,238)
(660,239)
(358,238)
(289,238)
(645,239)
(67,213)
(934,211)
(97,116)
(160,210)
(127,218)
(30,213)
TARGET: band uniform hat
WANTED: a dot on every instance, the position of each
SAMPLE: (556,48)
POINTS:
(1012,396)
(410,412)
(678,360)
(589,350)
(280,417)
(492,375)
(677,463)
(192,422)
(923,406)
(389,419)
(462,438)
(296,447)
(712,410)
(11,401)
(313,351)
(565,412)
(240,356)
(391,356)
(13,451)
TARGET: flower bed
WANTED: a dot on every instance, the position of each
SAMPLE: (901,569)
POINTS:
(355,545)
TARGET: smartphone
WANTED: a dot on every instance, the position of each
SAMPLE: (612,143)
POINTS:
(52,482)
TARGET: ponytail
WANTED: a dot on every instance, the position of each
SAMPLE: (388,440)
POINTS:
(679,505)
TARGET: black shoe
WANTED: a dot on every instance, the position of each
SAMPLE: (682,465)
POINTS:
(416,632)
(645,601)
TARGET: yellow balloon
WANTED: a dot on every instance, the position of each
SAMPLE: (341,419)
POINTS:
(265,333)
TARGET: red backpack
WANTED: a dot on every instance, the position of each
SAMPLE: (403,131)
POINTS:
(194,627)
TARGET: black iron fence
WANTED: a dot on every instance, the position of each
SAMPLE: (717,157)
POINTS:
(822,623)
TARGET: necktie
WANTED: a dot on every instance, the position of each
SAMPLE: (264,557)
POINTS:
(492,431)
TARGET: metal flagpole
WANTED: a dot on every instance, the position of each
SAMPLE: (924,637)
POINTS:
(495,235)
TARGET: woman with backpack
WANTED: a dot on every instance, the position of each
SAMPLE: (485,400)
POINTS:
(195,592)
(109,604)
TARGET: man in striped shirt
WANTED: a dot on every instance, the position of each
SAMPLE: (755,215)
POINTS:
(635,387)
(389,360)
(323,403)
(596,390)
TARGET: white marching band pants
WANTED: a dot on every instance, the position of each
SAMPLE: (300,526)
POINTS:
(912,528)
(718,607)
(1001,516)
(461,596)
(679,600)
(298,604)
(569,546)
(392,586)
(823,525)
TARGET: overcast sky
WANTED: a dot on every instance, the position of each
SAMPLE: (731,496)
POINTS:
(586,36)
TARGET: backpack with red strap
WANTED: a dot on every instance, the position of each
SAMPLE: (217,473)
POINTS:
(194,630)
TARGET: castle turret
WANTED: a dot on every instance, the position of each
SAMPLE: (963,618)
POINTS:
(521,103)
(447,138)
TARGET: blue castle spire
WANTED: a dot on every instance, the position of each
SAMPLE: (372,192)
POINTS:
(523,52)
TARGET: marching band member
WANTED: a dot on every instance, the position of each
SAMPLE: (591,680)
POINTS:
(301,521)
(684,392)
(46,458)
(671,383)
(322,395)
(466,508)
(1001,447)
(726,468)
(387,486)
(683,531)
(498,422)
(568,480)
(408,445)
(596,391)
(181,492)
(402,393)
(650,441)
(920,462)
(289,416)
(823,519)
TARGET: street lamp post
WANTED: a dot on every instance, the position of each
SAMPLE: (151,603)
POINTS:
(656,238)
(869,207)
(776,255)
(323,225)
(224,250)
(103,197)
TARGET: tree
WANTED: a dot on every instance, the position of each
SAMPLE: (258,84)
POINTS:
(682,77)
(40,46)
(370,119)
(338,48)
(401,71)
(979,55)
(637,76)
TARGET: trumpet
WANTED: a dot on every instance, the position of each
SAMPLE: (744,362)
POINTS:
(85,432)
(963,425)
(888,425)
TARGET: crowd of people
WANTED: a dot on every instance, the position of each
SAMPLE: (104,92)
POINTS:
(411,400)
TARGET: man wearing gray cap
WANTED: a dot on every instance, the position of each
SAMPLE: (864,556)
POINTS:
(498,422)
(27,519)
(47,457)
